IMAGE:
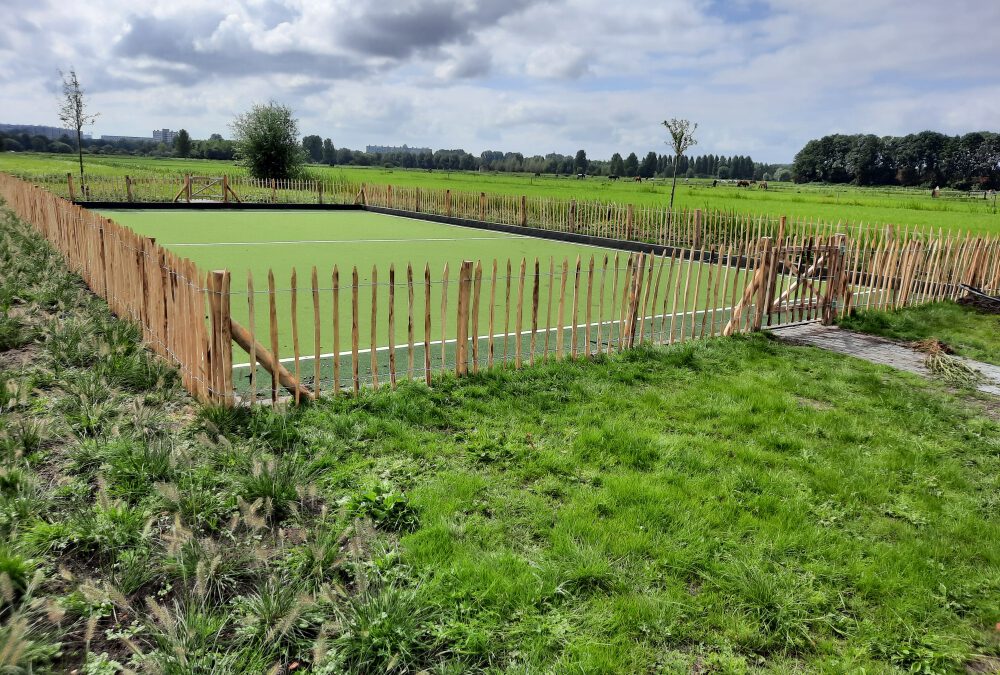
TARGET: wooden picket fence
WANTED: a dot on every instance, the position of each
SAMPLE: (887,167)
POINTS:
(655,225)
(348,332)
(142,282)
(346,329)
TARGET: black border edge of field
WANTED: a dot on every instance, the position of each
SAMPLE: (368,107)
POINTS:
(603,242)
(571,237)
(216,206)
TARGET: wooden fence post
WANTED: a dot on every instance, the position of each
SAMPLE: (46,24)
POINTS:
(462,329)
(482,206)
(524,211)
(319,192)
(187,187)
(777,259)
(128,188)
(225,188)
(416,205)
(221,345)
(834,279)
(572,216)
(764,289)
(697,229)
(629,222)
(447,202)
(388,196)
(635,297)
(274,192)
(69,182)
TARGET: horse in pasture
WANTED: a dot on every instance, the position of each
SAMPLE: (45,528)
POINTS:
(743,183)
(637,179)
(763,185)
(613,177)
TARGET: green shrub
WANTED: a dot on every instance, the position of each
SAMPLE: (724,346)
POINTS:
(388,510)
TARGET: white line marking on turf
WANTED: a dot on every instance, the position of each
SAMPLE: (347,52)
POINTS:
(437,343)
(339,241)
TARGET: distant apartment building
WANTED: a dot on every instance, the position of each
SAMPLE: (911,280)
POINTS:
(112,139)
(387,149)
(165,136)
(52,133)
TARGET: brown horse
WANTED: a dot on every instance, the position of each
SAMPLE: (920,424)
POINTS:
(637,179)
(763,185)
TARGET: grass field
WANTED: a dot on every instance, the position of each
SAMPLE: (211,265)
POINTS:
(966,331)
(280,241)
(823,202)
(728,506)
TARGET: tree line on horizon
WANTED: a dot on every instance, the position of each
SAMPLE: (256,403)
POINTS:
(927,159)
(214,147)
(322,151)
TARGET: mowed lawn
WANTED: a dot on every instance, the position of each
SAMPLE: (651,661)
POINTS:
(734,505)
(260,241)
(829,203)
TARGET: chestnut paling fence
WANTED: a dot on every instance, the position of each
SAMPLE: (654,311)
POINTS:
(341,329)
(657,225)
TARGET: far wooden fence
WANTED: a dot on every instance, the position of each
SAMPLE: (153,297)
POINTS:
(656,225)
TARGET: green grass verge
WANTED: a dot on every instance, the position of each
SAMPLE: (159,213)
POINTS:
(830,203)
(734,505)
(967,331)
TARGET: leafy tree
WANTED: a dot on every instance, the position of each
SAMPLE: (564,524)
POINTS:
(927,158)
(266,141)
(344,156)
(313,145)
(617,167)
(681,138)
(73,113)
(631,165)
(648,167)
(182,143)
(580,163)
(722,172)
(782,175)
(329,152)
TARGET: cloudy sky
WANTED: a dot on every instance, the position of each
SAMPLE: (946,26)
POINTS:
(760,76)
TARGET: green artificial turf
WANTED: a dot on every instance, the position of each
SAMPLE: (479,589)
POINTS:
(260,241)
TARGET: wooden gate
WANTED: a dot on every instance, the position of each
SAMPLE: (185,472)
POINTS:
(206,188)
(806,281)
(793,280)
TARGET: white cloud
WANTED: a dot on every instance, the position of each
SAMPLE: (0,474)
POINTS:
(534,77)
